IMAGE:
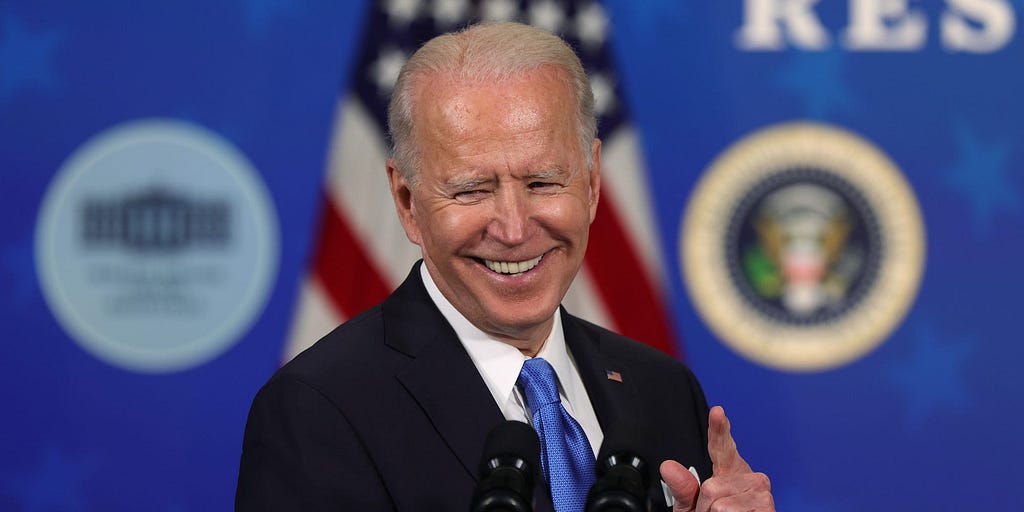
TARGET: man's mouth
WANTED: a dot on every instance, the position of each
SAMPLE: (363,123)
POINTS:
(512,267)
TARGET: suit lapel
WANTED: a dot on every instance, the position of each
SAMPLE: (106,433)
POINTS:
(441,377)
(616,399)
(613,399)
(447,386)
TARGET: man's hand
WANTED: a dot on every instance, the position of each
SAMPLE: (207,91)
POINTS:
(732,486)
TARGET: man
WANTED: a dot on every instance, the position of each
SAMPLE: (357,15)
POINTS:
(495,174)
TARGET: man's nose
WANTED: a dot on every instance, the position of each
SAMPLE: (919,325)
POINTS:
(511,222)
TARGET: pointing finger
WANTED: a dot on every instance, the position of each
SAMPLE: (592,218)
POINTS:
(725,458)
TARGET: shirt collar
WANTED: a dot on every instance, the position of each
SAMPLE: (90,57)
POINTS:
(498,362)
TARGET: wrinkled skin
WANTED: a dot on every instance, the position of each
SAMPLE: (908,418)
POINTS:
(733,486)
(501,178)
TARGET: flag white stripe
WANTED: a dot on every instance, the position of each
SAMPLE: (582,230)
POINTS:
(583,300)
(625,182)
(314,317)
(357,180)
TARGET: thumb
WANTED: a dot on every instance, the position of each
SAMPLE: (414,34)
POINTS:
(682,484)
(725,458)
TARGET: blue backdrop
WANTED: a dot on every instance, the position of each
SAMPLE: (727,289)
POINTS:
(929,419)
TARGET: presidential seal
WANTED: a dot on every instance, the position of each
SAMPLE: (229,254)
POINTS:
(802,246)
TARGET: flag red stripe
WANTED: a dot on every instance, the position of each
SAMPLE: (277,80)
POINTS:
(630,296)
(349,277)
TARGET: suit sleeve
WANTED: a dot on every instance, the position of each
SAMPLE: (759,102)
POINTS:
(301,453)
(701,412)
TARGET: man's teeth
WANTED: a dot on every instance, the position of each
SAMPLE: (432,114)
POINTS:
(512,267)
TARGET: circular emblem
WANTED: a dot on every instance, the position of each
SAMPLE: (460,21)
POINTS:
(156,246)
(802,246)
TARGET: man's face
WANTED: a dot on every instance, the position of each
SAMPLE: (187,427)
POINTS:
(504,201)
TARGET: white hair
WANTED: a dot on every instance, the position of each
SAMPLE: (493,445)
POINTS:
(485,53)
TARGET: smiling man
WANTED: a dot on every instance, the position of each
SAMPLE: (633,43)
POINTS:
(501,199)
(495,174)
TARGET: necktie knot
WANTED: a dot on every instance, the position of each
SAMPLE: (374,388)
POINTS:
(539,383)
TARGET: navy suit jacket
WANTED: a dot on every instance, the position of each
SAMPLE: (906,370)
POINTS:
(388,412)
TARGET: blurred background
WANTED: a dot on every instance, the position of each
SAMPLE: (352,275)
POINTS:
(816,205)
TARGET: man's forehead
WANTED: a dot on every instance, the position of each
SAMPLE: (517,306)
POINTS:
(433,87)
(466,109)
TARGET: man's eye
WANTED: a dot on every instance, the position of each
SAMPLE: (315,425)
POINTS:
(543,185)
(470,196)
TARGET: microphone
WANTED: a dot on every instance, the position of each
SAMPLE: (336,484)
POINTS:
(623,475)
(508,470)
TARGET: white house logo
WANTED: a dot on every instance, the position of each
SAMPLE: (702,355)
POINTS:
(156,246)
(802,246)
(156,219)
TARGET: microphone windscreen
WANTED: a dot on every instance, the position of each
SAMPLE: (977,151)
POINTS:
(623,473)
(624,438)
(512,439)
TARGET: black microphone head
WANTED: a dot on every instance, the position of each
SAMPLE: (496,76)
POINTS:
(509,469)
(625,442)
(511,439)
(623,474)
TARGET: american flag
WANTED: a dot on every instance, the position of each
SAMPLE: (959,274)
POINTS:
(361,253)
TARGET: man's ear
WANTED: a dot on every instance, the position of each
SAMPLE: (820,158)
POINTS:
(595,178)
(401,193)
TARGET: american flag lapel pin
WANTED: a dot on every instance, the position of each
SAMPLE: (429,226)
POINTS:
(613,375)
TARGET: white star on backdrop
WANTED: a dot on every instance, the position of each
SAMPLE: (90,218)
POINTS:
(449,12)
(402,12)
(499,10)
(604,93)
(591,25)
(547,15)
(386,68)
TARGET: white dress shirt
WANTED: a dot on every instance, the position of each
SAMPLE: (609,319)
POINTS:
(499,364)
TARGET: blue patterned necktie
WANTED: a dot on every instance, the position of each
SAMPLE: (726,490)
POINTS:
(566,459)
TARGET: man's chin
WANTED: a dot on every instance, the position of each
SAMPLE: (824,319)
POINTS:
(525,326)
